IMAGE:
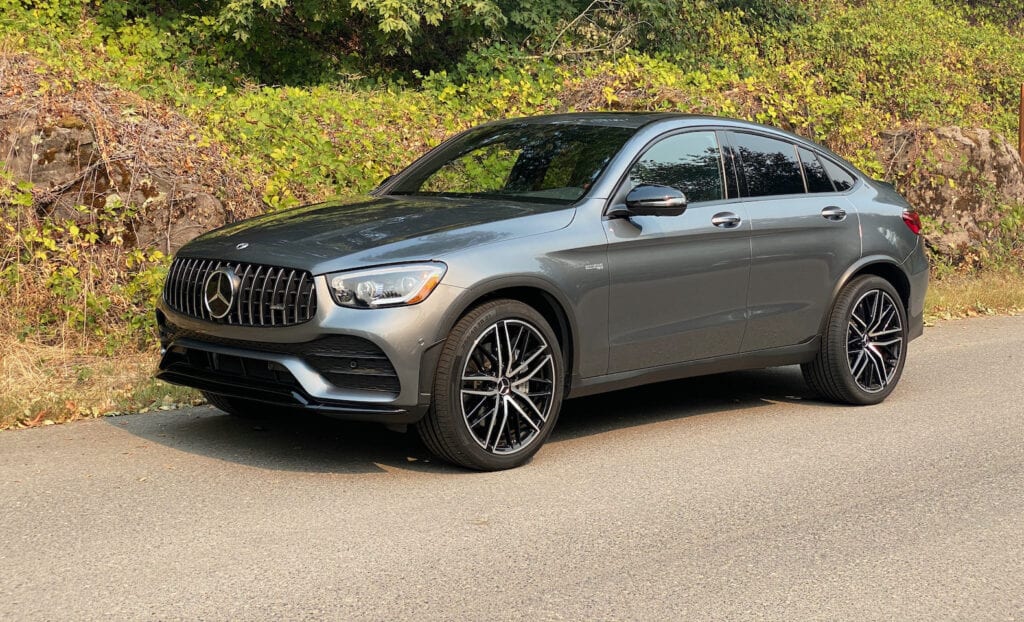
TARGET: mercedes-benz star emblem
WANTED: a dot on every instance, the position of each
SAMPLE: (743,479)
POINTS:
(219,292)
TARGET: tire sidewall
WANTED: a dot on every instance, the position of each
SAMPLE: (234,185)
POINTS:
(838,338)
(450,409)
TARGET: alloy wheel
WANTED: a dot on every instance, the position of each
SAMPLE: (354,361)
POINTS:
(874,340)
(507,386)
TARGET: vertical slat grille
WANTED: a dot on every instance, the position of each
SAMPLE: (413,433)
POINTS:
(266,296)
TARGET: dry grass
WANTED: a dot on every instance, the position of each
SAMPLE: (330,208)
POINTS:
(987,293)
(42,384)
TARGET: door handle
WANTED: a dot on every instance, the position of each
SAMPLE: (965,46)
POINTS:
(833,213)
(726,220)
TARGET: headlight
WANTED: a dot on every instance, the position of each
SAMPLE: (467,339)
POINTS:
(388,286)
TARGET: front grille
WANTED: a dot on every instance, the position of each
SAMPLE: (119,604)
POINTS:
(267,295)
(345,361)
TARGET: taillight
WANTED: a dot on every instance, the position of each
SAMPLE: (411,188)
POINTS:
(913,221)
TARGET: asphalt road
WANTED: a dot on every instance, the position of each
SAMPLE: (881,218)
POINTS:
(731,497)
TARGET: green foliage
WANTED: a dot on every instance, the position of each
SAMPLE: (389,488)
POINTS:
(915,62)
(308,143)
(767,13)
(1009,13)
(63,12)
(385,80)
(308,41)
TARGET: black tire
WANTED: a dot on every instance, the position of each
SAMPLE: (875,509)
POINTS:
(861,362)
(472,351)
(246,409)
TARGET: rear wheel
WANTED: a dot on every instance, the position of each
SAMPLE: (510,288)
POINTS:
(498,388)
(864,347)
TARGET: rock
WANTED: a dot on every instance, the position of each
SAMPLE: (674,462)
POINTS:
(72,122)
(50,156)
(77,201)
(73,183)
(172,218)
(963,178)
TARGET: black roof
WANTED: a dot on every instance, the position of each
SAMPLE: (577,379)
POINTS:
(633,120)
(637,120)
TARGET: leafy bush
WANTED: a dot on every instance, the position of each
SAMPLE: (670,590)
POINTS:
(76,283)
(1005,12)
(386,80)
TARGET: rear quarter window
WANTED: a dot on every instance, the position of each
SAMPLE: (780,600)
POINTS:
(841,179)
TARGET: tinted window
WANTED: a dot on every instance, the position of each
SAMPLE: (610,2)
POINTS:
(814,172)
(487,169)
(840,178)
(547,163)
(690,162)
(770,166)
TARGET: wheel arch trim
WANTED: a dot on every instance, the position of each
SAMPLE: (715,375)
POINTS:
(879,265)
(565,327)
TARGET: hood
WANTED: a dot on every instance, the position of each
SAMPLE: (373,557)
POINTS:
(343,234)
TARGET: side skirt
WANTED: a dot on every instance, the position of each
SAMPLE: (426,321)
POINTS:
(760,359)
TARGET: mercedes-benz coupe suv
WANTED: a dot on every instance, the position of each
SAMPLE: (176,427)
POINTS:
(527,261)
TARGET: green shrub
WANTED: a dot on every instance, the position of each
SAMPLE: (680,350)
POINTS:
(386,80)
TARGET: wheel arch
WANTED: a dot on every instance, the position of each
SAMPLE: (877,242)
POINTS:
(880,266)
(532,291)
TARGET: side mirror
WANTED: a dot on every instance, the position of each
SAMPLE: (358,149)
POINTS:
(653,200)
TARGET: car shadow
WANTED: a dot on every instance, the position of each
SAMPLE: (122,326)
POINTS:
(318,444)
(679,399)
(288,442)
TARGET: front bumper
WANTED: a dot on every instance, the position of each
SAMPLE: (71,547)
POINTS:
(363,364)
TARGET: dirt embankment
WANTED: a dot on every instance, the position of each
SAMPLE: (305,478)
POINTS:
(91,149)
(968,180)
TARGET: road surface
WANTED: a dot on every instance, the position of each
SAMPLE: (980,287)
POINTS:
(731,497)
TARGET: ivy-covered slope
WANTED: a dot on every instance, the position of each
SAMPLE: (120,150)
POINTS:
(183,128)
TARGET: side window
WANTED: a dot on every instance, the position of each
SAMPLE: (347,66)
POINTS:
(769,165)
(690,162)
(842,180)
(814,172)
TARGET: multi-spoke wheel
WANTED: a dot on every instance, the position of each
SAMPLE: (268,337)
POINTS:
(864,346)
(874,341)
(507,384)
(497,390)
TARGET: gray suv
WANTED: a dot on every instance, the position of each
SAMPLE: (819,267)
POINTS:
(527,261)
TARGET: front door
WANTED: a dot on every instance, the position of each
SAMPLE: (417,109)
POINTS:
(678,284)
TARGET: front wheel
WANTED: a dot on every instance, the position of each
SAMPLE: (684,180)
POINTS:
(498,388)
(864,347)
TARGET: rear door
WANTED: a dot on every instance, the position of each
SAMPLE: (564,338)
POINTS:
(805,233)
(678,283)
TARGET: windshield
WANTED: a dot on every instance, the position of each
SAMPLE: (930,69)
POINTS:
(554,163)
